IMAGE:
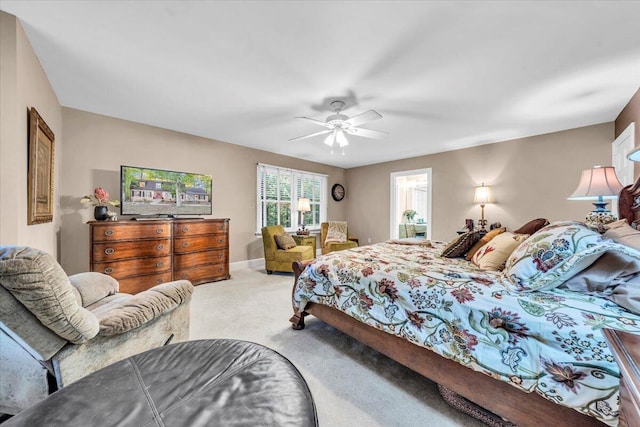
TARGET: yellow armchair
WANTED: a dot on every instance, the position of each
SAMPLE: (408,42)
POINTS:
(276,259)
(351,242)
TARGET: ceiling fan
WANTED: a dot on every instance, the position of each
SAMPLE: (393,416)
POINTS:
(339,124)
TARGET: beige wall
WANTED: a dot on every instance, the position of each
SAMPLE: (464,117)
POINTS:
(531,177)
(95,147)
(23,84)
(630,113)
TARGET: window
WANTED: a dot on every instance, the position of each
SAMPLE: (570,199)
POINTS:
(278,192)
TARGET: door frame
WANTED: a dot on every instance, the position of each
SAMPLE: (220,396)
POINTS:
(394,220)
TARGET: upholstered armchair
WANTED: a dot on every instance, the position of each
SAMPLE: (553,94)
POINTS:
(281,259)
(349,242)
(55,329)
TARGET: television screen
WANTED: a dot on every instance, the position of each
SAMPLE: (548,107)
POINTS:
(147,191)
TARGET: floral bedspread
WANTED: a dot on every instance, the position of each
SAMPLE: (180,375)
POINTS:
(548,342)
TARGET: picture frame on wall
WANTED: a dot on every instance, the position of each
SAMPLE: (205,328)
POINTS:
(40,175)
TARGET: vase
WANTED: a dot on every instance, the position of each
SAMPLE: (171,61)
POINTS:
(100,213)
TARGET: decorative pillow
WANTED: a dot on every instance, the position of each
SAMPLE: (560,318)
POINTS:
(459,246)
(532,226)
(336,232)
(285,241)
(552,255)
(623,233)
(483,241)
(494,254)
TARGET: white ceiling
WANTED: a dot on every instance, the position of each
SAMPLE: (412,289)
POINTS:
(444,75)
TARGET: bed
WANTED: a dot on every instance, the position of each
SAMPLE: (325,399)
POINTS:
(529,351)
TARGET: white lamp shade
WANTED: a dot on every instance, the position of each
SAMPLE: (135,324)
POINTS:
(600,181)
(483,194)
(329,139)
(304,204)
(341,139)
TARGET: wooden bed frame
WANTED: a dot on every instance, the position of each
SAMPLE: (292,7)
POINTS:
(521,408)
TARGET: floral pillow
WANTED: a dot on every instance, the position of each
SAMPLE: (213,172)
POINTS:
(552,255)
(494,254)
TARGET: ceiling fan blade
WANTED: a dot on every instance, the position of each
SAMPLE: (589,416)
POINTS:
(367,116)
(367,133)
(319,122)
(322,132)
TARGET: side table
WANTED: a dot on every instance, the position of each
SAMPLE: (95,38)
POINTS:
(625,348)
(305,240)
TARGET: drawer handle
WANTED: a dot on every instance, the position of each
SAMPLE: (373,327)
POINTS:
(108,233)
(185,244)
(159,230)
(221,227)
(109,251)
(108,270)
(220,269)
(220,256)
(185,276)
(220,240)
(159,264)
(185,229)
(158,281)
(160,247)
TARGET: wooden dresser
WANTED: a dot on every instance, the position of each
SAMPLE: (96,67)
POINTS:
(142,254)
(201,250)
(625,348)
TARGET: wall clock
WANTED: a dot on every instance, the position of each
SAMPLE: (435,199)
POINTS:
(337,192)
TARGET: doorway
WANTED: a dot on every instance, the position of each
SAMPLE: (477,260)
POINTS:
(411,191)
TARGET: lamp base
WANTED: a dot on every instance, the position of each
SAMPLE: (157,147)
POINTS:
(601,217)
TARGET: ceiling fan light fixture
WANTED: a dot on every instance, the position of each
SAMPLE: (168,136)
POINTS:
(329,139)
(341,139)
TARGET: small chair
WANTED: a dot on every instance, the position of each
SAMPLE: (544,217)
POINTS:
(276,259)
(326,247)
(410,230)
(56,329)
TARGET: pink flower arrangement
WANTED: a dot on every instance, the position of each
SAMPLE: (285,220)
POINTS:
(99,198)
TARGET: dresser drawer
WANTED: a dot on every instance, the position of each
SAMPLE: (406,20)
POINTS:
(108,232)
(133,285)
(120,250)
(192,244)
(195,228)
(133,267)
(199,258)
(202,274)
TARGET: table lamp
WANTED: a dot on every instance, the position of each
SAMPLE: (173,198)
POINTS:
(598,183)
(304,206)
(483,195)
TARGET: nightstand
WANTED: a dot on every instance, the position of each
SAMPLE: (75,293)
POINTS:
(306,240)
(625,348)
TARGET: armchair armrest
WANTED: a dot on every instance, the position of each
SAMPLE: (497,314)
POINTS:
(93,286)
(136,310)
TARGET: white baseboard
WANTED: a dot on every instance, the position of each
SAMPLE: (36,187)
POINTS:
(250,264)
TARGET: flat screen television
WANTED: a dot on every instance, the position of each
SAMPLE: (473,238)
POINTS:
(157,192)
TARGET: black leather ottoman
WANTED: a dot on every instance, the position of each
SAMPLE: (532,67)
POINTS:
(195,383)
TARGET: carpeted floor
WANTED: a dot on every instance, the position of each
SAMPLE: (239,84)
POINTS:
(352,385)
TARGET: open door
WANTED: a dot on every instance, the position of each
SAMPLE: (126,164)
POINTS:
(411,191)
